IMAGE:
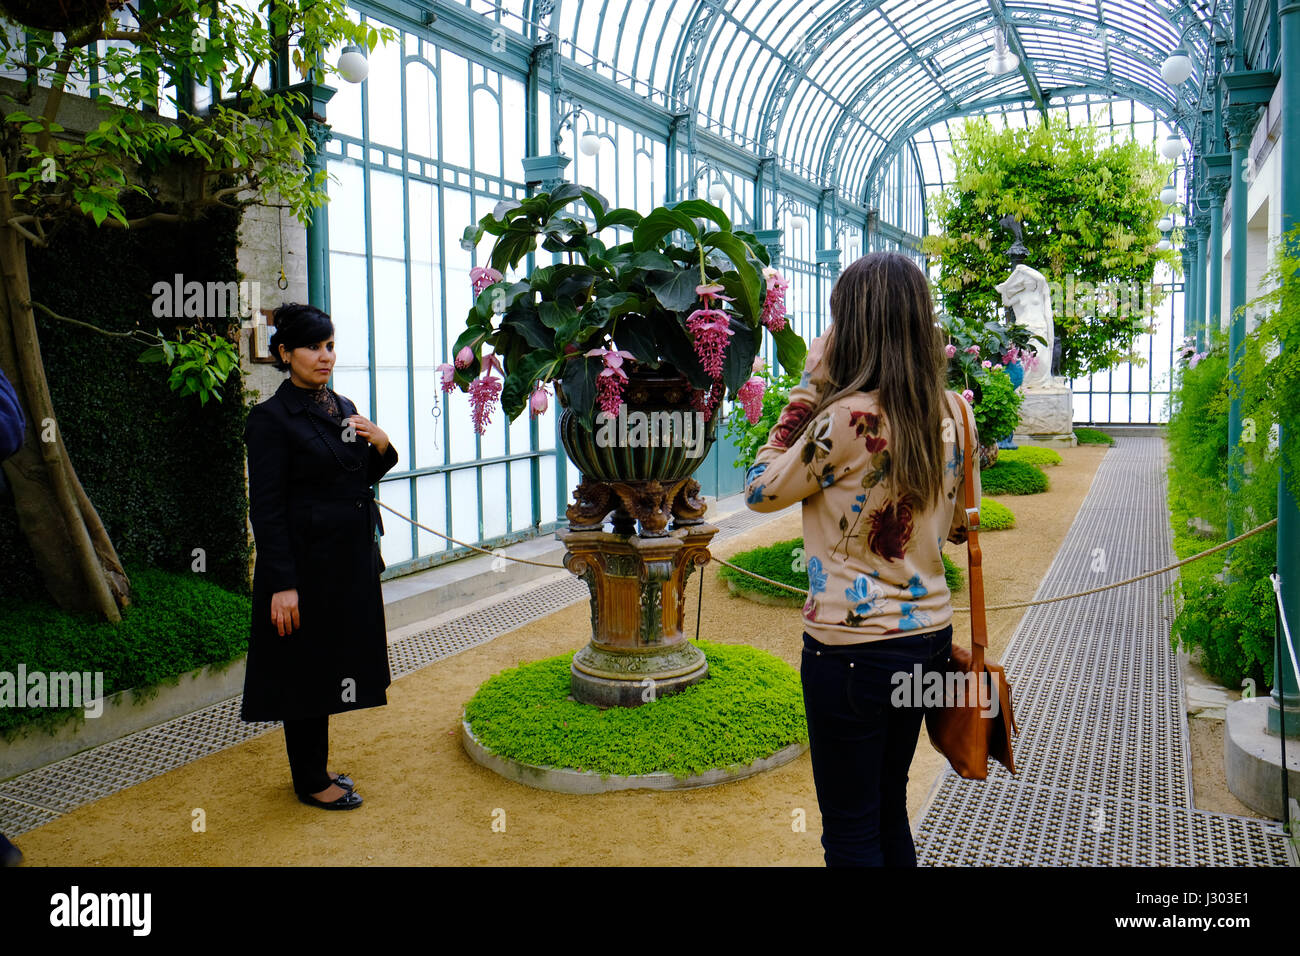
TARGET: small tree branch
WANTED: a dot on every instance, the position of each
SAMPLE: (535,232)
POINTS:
(32,237)
(138,335)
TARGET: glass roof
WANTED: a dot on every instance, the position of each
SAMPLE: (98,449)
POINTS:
(833,88)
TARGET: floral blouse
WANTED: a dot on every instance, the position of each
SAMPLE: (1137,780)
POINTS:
(872,552)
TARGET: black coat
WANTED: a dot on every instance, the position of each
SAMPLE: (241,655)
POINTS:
(314,524)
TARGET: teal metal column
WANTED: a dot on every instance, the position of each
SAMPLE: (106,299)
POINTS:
(318,239)
(1190,257)
(1288,514)
(1216,185)
(1202,225)
(1240,124)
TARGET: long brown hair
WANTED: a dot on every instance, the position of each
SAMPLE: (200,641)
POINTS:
(885,337)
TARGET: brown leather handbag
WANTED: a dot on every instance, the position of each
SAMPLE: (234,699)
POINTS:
(967,729)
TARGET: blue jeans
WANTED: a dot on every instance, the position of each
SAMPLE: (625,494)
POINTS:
(861,744)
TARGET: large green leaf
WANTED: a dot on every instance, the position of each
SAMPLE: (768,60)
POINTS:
(750,293)
(580,388)
(703,209)
(791,351)
(524,322)
(738,363)
(674,290)
(660,223)
(521,375)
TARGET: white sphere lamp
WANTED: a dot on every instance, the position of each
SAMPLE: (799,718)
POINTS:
(1173,146)
(353,65)
(1169,195)
(717,192)
(1177,67)
(589,143)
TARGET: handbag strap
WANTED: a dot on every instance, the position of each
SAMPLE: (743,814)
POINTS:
(979,636)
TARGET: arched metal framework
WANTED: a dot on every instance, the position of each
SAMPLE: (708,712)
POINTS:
(804,110)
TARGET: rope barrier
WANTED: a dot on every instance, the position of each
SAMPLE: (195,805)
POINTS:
(1064,597)
(801,591)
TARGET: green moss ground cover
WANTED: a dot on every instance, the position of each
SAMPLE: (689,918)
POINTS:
(749,707)
(995,516)
(179,622)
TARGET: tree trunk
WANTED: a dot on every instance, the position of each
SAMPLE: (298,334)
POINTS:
(74,555)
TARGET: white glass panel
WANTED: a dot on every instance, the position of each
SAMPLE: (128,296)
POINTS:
(455,109)
(390,313)
(347,208)
(386,217)
(392,414)
(395,545)
(521,495)
(494,498)
(487,132)
(421,109)
(431,493)
(384,95)
(464,505)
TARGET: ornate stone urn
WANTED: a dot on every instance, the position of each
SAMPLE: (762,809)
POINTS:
(636,471)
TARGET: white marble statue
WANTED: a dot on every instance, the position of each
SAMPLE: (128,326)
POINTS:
(1027,292)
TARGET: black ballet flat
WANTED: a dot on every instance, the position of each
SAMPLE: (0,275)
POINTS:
(344,781)
(349,801)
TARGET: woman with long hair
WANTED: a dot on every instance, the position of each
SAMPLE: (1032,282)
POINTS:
(318,644)
(871,443)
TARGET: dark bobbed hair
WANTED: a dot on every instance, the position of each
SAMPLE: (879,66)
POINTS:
(297,325)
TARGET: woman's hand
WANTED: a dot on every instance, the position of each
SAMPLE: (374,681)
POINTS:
(370,432)
(284,611)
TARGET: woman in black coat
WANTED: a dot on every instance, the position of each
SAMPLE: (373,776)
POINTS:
(318,644)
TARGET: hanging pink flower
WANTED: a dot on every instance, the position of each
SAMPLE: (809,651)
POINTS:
(612,378)
(751,397)
(972,350)
(968,395)
(448,373)
(464,357)
(987,363)
(538,402)
(710,330)
(758,365)
(1011,355)
(773,315)
(484,392)
(481,277)
(950,350)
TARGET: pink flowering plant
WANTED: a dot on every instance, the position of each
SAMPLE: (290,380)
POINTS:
(672,294)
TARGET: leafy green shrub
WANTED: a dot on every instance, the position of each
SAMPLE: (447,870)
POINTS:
(178,622)
(1030,455)
(1230,616)
(1092,436)
(997,406)
(749,438)
(749,707)
(784,561)
(1013,478)
(951,573)
(995,516)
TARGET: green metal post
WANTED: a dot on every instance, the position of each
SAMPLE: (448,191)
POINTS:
(1288,515)
(1202,225)
(1240,123)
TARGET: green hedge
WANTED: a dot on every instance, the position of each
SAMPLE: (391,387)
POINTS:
(1030,455)
(165,474)
(1012,478)
(1225,610)
(179,622)
(1091,436)
(994,516)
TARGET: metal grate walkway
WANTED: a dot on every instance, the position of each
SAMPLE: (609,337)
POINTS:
(39,796)
(1102,754)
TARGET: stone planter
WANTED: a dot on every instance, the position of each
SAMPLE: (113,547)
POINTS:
(638,468)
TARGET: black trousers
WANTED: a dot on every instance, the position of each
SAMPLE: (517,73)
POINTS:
(308,743)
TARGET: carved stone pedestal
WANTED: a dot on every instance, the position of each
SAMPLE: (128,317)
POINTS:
(638,651)
(1047,415)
